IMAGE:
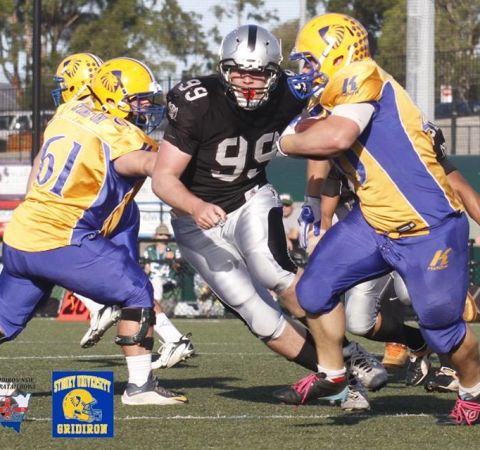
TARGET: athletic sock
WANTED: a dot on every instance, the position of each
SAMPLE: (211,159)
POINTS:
(469,393)
(165,329)
(335,376)
(139,368)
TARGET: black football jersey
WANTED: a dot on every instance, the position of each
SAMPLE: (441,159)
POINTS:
(230,147)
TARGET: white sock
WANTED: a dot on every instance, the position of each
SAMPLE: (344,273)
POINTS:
(165,329)
(331,374)
(469,393)
(139,368)
(92,306)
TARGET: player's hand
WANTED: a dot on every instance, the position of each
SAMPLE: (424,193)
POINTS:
(309,220)
(209,215)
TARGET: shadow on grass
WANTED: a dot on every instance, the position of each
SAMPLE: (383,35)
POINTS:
(190,383)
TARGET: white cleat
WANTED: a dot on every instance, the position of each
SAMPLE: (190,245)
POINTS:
(366,368)
(100,322)
(357,398)
(171,353)
(151,393)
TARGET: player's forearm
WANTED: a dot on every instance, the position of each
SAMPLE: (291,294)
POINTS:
(173,192)
(325,138)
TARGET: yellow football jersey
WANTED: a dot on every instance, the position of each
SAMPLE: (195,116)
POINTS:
(77,192)
(392,165)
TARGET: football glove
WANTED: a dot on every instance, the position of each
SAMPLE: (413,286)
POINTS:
(309,219)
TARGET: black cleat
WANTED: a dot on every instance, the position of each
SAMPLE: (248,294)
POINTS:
(417,369)
(444,380)
(313,386)
(465,412)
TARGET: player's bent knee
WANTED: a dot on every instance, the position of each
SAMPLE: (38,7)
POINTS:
(270,275)
(314,300)
(276,332)
(357,327)
(445,339)
(145,318)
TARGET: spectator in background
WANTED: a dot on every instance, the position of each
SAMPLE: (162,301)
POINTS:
(163,267)
(290,221)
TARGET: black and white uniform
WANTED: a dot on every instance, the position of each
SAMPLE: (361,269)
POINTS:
(230,148)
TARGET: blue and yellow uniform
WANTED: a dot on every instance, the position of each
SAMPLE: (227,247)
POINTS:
(77,191)
(393,166)
(407,218)
(58,235)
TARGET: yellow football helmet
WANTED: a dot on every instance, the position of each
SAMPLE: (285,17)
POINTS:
(122,87)
(326,44)
(78,403)
(73,73)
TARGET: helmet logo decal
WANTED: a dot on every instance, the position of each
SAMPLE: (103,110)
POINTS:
(332,33)
(111,81)
(71,67)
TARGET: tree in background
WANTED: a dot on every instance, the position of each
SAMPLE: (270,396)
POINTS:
(160,33)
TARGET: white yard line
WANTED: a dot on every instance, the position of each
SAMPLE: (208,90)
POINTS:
(251,417)
(11,358)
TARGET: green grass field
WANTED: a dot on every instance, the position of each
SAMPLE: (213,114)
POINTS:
(229,385)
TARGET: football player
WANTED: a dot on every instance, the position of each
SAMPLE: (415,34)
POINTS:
(72,77)
(95,156)
(407,219)
(227,218)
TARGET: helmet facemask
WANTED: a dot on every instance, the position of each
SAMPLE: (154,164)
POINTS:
(146,111)
(327,43)
(249,98)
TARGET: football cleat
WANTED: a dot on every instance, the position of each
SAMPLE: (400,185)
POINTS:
(395,355)
(444,380)
(357,398)
(171,353)
(100,322)
(151,393)
(365,367)
(417,369)
(465,412)
(313,386)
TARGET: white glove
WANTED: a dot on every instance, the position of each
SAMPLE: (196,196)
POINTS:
(309,217)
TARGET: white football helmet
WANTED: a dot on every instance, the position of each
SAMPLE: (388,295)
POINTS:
(250,48)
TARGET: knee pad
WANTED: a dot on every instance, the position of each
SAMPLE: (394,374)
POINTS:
(264,318)
(145,317)
(282,323)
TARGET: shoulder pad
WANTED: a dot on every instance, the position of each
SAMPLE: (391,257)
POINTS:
(358,82)
(187,102)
